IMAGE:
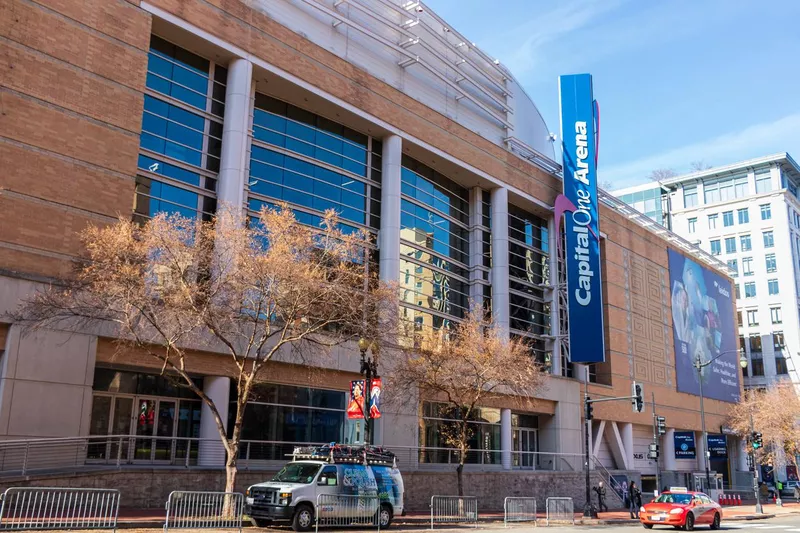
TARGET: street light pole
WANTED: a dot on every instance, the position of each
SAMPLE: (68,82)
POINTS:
(759,509)
(369,369)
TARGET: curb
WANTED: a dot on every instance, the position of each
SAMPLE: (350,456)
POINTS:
(752,517)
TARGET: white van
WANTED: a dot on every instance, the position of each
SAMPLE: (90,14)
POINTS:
(336,470)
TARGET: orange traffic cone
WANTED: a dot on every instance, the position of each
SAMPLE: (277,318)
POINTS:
(738,499)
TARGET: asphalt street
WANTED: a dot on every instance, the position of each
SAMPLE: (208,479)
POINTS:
(789,524)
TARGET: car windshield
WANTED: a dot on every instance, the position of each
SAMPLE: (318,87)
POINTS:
(297,473)
(683,499)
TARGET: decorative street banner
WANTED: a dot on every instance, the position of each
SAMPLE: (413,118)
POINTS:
(684,445)
(703,326)
(375,391)
(718,446)
(355,407)
(586,342)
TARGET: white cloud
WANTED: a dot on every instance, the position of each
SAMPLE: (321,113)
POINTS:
(754,141)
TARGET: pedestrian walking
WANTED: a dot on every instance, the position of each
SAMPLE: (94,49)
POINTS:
(797,492)
(600,489)
(634,499)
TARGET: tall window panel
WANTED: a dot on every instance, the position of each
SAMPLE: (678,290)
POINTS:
(181,136)
(434,248)
(528,270)
(313,164)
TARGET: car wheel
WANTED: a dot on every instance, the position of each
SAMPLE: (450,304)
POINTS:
(384,516)
(261,522)
(303,518)
(647,526)
(715,523)
(689,524)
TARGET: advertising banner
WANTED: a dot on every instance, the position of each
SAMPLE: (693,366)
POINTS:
(684,445)
(703,327)
(375,391)
(355,407)
(586,342)
(718,446)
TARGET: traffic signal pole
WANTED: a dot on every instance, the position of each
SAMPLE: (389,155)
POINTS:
(655,440)
(759,509)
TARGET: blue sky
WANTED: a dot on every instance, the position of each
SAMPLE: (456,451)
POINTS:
(677,80)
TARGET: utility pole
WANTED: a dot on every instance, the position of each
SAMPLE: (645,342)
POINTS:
(656,434)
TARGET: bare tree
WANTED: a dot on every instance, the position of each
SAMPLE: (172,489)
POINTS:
(699,165)
(607,185)
(271,290)
(660,174)
(773,413)
(463,368)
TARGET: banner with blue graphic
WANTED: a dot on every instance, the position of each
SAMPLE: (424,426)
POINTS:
(586,340)
(703,327)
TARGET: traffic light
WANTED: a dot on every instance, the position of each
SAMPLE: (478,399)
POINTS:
(757,440)
(653,453)
(589,409)
(661,422)
(637,391)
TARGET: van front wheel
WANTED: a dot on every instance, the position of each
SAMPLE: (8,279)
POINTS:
(303,518)
(384,516)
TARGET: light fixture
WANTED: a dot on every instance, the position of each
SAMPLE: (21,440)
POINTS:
(363,344)
(742,360)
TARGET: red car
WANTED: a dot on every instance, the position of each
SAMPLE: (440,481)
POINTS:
(680,508)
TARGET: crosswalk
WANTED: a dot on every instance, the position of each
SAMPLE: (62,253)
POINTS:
(761,527)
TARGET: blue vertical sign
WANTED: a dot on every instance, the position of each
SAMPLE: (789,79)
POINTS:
(579,148)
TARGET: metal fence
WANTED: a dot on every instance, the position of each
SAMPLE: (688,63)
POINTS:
(58,508)
(104,452)
(519,510)
(204,510)
(339,510)
(560,510)
(454,509)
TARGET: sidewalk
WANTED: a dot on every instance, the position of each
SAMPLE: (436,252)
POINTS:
(154,518)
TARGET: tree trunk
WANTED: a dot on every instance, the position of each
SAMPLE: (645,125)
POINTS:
(460,475)
(231,470)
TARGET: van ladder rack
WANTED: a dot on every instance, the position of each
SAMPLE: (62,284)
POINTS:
(342,453)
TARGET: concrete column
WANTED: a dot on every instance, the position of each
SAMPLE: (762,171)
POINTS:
(499,276)
(475,246)
(626,431)
(235,127)
(211,452)
(741,449)
(701,451)
(668,445)
(775,177)
(506,438)
(389,235)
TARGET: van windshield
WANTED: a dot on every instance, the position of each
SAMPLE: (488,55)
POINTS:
(297,473)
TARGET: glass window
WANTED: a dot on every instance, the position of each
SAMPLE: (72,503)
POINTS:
(775,315)
(744,215)
(738,292)
(716,248)
(779,343)
(712,221)
(752,320)
(178,73)
(755,339)
(747,245)
(733,264)
(692,225)
(766,212)
(747,266)
(484,428)
(773,287)
(739,318)
(772,265)
(730,245)
(763,182)
(780,366)
(750,289)
(690,196)
(727,218)
(769,239)
(757,367)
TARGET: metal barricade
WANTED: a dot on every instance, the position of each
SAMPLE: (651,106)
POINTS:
(560,510)
(519,510)
(59,508)
(454,509)
(204,510)
(340,510)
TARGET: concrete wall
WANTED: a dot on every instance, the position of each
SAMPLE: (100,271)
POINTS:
(46,384)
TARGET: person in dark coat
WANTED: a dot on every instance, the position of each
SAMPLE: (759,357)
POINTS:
(600,489)
(634,499)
